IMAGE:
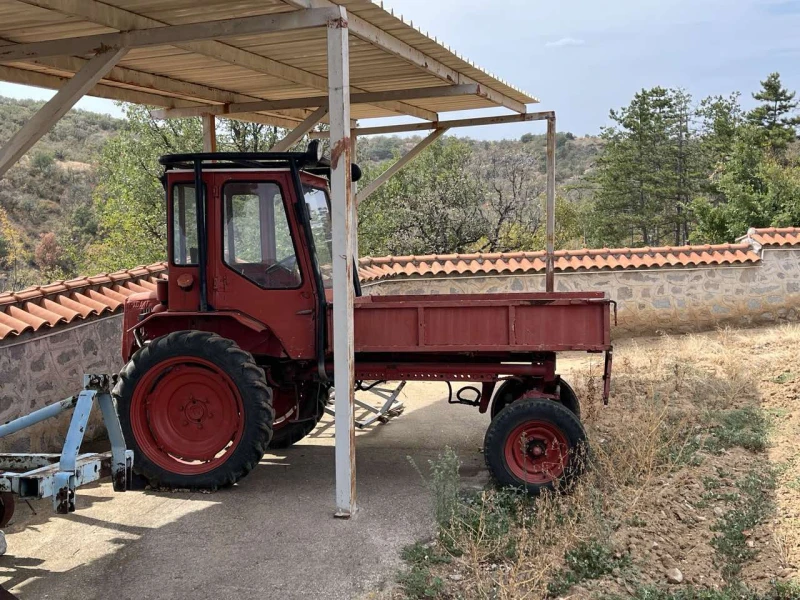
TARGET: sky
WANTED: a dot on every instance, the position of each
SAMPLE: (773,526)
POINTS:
(582,58)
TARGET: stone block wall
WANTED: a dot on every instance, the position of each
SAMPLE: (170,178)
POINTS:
(39,369)
(665,299)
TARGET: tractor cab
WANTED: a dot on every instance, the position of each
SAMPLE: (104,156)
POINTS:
(252,248)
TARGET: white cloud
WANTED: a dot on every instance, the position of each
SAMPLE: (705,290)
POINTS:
(566,41)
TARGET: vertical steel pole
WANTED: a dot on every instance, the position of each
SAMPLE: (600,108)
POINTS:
(342,222)
(354,193)
(551,204)
(209,133)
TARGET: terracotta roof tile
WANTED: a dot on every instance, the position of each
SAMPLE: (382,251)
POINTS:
(388,267)
(61,302)
(774,236)
(48,306)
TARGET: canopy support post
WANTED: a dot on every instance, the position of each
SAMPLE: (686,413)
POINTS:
(343,295)
(551,204)
(209,133)
(47,116)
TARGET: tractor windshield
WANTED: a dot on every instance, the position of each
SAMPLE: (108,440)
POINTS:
(319,212)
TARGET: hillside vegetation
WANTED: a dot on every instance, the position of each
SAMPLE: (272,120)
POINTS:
(46,213)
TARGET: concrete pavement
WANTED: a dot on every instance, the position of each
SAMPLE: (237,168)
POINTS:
(272,536)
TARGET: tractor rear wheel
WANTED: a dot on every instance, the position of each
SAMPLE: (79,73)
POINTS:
(196,409)
(535,445)
(290,433)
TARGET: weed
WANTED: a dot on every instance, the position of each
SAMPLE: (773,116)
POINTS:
(588,560)
(752,505)
(418,581)
(742,427)
(785,377)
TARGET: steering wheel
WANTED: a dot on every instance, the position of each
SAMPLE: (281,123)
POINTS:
(287,264)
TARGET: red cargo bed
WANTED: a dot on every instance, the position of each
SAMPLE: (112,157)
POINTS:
(519,322)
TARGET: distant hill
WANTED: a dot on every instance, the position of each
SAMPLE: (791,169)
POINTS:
(49,190)
(575,156)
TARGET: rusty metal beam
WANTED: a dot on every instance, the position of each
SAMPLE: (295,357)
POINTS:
(376,98)
(475,122)
(343,263)
(399,164)
(47,116)
(209,133)
(551,205)
(298,132)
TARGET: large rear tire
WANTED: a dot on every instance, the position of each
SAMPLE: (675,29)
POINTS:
(535,445)
(291,433)
(196,409)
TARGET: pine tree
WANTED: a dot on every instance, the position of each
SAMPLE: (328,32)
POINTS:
(775,115)
(648,173)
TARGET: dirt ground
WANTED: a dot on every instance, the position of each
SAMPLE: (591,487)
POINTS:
(677,486)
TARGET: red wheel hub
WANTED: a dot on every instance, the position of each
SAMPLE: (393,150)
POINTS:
(537,452)
(187,415)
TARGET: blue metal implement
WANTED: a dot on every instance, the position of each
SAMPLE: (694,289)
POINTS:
(58,476)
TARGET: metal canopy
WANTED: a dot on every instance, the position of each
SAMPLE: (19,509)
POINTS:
(288,63)
(387,55)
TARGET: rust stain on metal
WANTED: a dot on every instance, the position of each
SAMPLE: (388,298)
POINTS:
(341,147)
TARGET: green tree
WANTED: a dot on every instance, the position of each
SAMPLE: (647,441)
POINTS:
(775,115)
(129,199)
(648,173)
(757,189)
(129,216)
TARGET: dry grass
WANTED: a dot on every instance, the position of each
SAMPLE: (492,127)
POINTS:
(685,410)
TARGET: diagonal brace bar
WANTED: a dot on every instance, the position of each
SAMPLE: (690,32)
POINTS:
(400,164)
(302,128)
(47,116)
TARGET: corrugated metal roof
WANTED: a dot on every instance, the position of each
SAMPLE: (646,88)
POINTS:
(62,302)
(775,236)
(388,267)
(268,66)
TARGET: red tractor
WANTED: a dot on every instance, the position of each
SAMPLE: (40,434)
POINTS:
(232,354)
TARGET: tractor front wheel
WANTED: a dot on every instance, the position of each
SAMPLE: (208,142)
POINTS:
(196,409)
(535,445)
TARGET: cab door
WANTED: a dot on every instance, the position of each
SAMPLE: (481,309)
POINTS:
(260,265)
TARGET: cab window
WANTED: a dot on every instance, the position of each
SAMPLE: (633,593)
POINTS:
(184,225)
(257,240)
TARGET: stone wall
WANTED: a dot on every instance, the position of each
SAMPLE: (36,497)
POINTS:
(39,369)
(666,299)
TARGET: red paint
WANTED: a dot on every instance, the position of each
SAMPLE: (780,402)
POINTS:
(537,452)
(186,414)
(470,337)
